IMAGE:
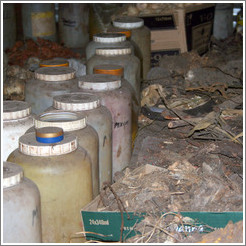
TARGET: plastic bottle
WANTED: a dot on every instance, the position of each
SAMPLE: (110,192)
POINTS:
(21,207)
(62,172)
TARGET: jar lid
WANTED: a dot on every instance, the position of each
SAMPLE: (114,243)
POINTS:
(119,30)
(28,145)
(109,69)
(49,135)
(56,62)
(68,121)
(128,22)
(109,37)
(79,101)
(99,82)
(55,73)
(12,174)
(114,51)
(13,110)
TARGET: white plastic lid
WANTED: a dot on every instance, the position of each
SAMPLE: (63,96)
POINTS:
(13,110)
(68,121)
(54,73)
(109,37)
(12,174)
(78,101)
(128,22)
(28,145)
(99,82)
(114,51)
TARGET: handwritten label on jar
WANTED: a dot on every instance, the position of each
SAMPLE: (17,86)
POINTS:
(120,124)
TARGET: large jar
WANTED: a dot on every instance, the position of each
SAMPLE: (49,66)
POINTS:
(107,40)
(117,98)
(140,37)
(49,82)
(62,172)
(119,71)
(97,116)
(21,207)
(118,56)
(76,124)
(74,24)
(17,118)
(38,20)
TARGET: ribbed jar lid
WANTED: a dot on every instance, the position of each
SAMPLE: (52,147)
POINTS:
(109,37)
(12,174)
(29,145)
(109,69)
(128,22)
(56,62)
(13,110)
(99,82)
(114,51)
(68,121)
(119,30)
(55,73)
(78,101)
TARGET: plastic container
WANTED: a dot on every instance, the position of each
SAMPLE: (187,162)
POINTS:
(55,62)
(107,40)
(140,37)
(97,116)
(118,56)
(9,25)
(17,118)
(117,98)
(38,20)
(74,24)
(21,207)
(119,71)
(76,124)
(62,172)
(49,82)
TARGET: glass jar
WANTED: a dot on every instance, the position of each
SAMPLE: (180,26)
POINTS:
(62,172)
(117,98)
(119,71)
(21,207)
(107,40)
(17,118)
(97,116)
(76,124)
(118,56)
(140,37)
(49,82)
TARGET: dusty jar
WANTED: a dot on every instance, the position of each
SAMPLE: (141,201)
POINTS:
(140,37)
(49,82)
(107,40)
(117,99)
(62,172)
(21,207)
(97,116)
(119,71)
(118,56)
(76,124)
(17,118)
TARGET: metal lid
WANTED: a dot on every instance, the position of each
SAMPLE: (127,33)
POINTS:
(109,69)
(79,101)
(28,145)
(68,121)
(128,22)
(12,174)
(54,73)
(109,37)
(13,110)
(56,62)
(99,82)
(49,135)
(114,51)
(119,30)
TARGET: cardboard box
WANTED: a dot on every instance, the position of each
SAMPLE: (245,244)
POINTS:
(105,225)
(181,30)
